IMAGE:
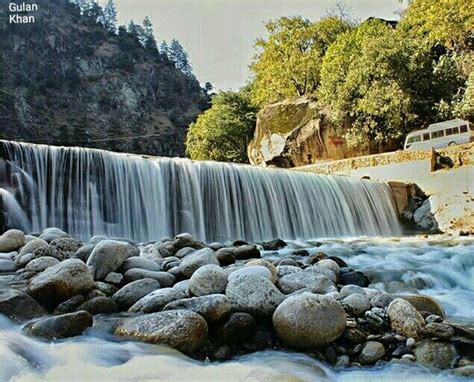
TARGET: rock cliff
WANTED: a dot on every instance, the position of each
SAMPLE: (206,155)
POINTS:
(66,80)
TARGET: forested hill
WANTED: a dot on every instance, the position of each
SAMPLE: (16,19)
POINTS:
(66,79)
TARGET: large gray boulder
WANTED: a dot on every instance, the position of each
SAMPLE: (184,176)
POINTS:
(108,256)
(7,265)
(156,300)
(181,329)
(209,279)
(32,245)
(192,262)
(308,320)
(12,240)
(18,306)
(42,263)
(405,319)
(63,326)
(266,264)
(314,282)
(141,263)
(253,294)
(257,270)
(61,282)
(213,307)
(131,293)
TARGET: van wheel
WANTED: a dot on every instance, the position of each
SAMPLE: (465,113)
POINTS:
(452,143)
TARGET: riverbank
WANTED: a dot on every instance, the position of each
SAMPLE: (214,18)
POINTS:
(221,301)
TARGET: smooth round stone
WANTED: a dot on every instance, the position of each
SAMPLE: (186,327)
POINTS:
(183,252)
(266,264)
(12,240)
(283,270)
(7,265)
(209,279)
(131,293)
(164,278)
(183,286)
(40,264)
(239,327)
(156,300)
(246,251)
(356,304)
(371,353)
(347,290)
(18,306)
(316,269)
(141,263)
(225,256)
(307,321)
(405,319)
(257,270)
(192,262)
(435,353)
(114,278)
(99,305)
(315,282)
(329,264)
(63,326)
(32,245)
(213,307)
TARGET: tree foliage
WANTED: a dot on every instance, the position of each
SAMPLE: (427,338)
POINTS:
(223,132)
(288,62)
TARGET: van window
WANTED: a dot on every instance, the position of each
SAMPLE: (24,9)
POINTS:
(417,138)
(426,136)
(437,134)
(463,129)
(452,131)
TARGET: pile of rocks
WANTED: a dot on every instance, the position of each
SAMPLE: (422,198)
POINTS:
(218,301)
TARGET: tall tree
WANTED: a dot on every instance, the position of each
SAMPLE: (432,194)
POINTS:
(110,16)
(149,40)
(178,55)
(163,49)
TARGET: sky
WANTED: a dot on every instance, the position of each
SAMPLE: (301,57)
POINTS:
(219,34)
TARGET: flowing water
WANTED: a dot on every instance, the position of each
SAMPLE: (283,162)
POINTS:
(87,192)
(442,267)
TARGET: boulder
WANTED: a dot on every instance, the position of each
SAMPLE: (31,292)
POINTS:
(108,256)
(213,307)
(253,294)
(131,293)
(164,278)
(405,319)
(308,320)
(65,248)
(53,233)
(356,304)
(7,266)
(18,306)
(12,240)
(225,256)
(247,251)
(283,270)
(266,264)
(274,245)
(156,300)
(197,259)
(107,289)
(181,329)
(40,264)
(32,245)
(184,240)
(99,305)
(424,303)
(209,279)
(183,286)
(238,327)
(329,264)
(84,252)
(439,330)
(141,263)
(257,270)
(347,290)
(314,282)
(183,252)
(63,326)
(322,271)
(61,282)
(70,305)
(435,354)
(354,278)
(371,353)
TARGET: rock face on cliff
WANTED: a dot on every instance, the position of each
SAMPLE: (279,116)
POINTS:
(66,80)
(296,133)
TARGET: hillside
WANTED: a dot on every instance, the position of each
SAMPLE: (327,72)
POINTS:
(66,80)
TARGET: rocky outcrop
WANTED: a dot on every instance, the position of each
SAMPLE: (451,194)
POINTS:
(296,133)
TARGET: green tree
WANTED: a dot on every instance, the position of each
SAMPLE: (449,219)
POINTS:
(110,16)
(287,63)
(178,55)
(149,41)
(223,132)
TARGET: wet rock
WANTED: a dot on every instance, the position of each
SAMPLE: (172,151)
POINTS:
(213,307)
(181,329)
(322,271)
(12,240)
(156,300)
(99,305)
(164,278)
(107,289)
(209,279)
(274,245)
(225,256)
(7,266)
(343,361)
(341,263)
(239,327)
(354,278)
(183,252)
(63,326)
(382,301)
(183,286)
(245,252)
(371,292)
(266,264)
(186,240)
(329,264)
(39,265)
(435,354)
(438,330)
(374,320)
(288,262)
(108,256)
(84,252)
(308,320)
(61,282)
(424,303)
(315,257)
(70,305)
(65,248)
(141,263)
(347,290)
(405,319)
(53,233)
(253,294)
(197,259)
(464,371)
(18,306)
(114,278)
(257,270)
(356,304)
(131,293)
(32,245)
(317,283)
(355,335)
(371,353)
(283,270)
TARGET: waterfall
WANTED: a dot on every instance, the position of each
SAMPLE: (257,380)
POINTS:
(88,192)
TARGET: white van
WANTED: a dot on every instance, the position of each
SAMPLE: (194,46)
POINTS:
(442,134)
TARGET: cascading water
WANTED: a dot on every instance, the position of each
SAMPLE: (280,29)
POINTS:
(88,192)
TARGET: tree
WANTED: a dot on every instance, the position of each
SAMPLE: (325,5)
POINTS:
(208,87)
(149,41)
(110,16)
(136,31)
(223,132)
(178,55)
(163,49)
(287,63)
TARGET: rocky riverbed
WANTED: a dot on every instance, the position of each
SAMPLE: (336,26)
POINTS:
(334,304)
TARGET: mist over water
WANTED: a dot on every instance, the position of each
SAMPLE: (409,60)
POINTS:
(88,192)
